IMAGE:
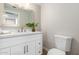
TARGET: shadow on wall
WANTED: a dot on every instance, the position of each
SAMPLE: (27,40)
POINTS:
(74,42)
(45,40)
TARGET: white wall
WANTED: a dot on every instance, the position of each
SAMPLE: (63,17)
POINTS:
(60,19)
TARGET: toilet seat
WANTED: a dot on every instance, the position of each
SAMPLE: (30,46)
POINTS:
(55,51)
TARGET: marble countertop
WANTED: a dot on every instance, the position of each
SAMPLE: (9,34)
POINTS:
(13,34)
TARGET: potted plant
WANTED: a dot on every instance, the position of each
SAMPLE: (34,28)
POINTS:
(32,25)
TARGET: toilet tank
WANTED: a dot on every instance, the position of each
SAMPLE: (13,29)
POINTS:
(63,42)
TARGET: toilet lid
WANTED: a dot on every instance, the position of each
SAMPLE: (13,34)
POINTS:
(55,51)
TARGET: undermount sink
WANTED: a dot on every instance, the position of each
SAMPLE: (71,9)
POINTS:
(4,32)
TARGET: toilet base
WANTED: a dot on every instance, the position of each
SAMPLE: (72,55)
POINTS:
(55,51)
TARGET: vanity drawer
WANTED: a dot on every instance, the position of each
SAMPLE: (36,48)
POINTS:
(8,42)
(5,51)
(11,41)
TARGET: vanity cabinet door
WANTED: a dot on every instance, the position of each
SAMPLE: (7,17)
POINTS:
(5,51)
(30,48)
(39,46)
(18,49)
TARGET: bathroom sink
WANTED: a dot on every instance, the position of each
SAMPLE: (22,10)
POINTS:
(5,32)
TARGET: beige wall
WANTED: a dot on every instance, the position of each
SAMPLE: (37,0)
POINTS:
(60,19)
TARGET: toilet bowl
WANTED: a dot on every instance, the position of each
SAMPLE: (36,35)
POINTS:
(55,51)
(62,45)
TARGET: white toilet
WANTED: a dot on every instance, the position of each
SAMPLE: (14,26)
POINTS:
(62,45)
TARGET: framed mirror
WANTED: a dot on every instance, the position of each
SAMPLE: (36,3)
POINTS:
(15,16)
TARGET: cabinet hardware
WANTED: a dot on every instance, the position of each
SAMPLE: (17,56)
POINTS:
(39,51)
(39,43)
(24,49)
(27,48)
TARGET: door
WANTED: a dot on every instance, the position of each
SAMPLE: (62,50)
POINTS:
(5,51)
(30,48)
(18,50)
(39,46)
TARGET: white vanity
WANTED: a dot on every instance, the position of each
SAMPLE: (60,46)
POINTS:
(26,43)
(19,43)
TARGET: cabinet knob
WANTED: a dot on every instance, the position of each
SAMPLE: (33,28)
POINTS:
(39,51)
(39,43)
